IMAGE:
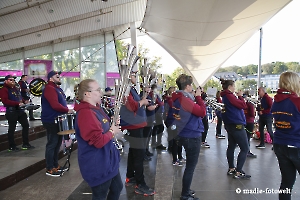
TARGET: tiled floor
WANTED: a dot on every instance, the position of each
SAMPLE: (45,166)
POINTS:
(210,179)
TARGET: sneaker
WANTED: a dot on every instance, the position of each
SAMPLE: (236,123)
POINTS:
(260,146)
(146,158)
(189,198)
(241,175)
(27,146)
(221,136)
(182,160)
(53,172)
(204,144)
(192,192)
(161,147)
(62,169)
(177,163)
(251,155)
(144,190)
(13,149)
(231,171)
(130,181)
(148,153)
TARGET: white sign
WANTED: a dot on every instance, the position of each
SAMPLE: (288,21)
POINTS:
(211,92)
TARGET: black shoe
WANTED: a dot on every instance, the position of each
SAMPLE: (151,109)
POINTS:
(251,155)
(231,171)
(27,146)
(260,146)
(130,181)
(13,149)
(241,175)
(146,158)
(192,192)
(189,198)
(62,169)
(53,172)
(161,147)
(144,190)
(148,153)
(32,119)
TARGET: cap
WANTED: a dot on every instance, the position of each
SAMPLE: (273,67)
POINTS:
(8,77)
(108,89)
(52,73)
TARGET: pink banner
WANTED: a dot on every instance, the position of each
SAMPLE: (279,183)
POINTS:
(37,69)
(17,73)
(70,74)
(110,79)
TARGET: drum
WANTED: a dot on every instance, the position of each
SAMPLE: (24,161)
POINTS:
(65,124)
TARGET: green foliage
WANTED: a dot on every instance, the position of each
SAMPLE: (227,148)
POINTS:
(268,68)
(171,79)
(245,85)
(213,84)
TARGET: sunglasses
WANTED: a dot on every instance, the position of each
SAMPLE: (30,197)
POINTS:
(11,79)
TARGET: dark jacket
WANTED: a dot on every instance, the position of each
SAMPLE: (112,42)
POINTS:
(11,98)
(98,158)
(169,112)
(265,107)
(249,112)
(234,108)
(188,115)
(286,113)
(53,102)
(24,87)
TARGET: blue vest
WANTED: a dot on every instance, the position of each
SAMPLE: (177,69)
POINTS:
(263,106)
(14,95)
(132,118)
(97,165)
(187,124)
(287,122)
(232,114)
(48,114)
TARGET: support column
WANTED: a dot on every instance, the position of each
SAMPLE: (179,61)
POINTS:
(259,61)
(133,32)
(80,59)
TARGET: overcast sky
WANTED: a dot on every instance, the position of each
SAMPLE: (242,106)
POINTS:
(281,42)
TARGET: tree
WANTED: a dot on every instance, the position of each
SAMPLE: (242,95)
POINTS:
(279,68)
(171,79)
(267,68)
(212,84)
(245,85)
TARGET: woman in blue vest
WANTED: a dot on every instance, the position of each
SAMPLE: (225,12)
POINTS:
(98,157)
(188,113)
(286,113)
(234,120)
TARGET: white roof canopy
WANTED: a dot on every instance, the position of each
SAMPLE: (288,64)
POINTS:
(200,34)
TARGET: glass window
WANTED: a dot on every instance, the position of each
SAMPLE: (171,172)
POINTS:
(95,71)
(13,65)
(67,60)
(111,54)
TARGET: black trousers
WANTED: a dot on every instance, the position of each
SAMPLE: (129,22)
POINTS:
(205,124)
(137,146)
(13,117)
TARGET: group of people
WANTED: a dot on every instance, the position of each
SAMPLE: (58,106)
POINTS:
(182,112)
(238,119)
(14,97)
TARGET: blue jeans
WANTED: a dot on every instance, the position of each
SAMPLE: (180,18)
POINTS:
(53,145)
(289,164)
(236,135)
(113,187)
(192,149)
(262,122)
